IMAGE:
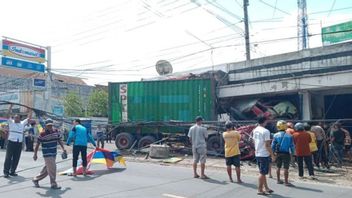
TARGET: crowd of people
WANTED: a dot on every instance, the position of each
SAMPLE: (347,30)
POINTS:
(48,139)
(291,144)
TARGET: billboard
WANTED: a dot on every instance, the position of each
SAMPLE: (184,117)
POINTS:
(22,64)
(337,33)
(22,51)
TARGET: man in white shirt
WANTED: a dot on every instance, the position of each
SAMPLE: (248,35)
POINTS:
(14,146)
(263,152)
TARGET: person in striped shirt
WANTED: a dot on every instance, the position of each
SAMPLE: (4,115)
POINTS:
(49,139)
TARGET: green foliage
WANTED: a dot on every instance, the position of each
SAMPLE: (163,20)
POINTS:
(98,103)
(73,105)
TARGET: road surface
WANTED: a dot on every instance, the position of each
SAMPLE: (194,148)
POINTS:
(148,180)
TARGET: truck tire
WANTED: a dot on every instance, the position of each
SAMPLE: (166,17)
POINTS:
(145,141)
(124,140)
(215,143)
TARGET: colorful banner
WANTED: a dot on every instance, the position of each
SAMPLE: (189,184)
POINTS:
(23,52)
(22,64)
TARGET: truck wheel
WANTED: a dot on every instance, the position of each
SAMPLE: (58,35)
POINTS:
(214,143)
(124,140)
(145,141)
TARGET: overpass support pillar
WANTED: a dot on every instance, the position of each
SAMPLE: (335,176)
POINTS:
(306,105)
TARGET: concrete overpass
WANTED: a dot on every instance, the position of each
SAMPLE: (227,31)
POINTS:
(312,74)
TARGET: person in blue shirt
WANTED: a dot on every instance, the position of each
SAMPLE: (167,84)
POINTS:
(80,137)
(283,146)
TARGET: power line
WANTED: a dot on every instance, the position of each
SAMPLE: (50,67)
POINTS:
(332,7)
(274,7)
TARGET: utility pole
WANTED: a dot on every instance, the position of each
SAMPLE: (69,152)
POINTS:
(48,81)
(246,36)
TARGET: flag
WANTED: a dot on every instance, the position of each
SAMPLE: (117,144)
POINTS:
(103,156)
(98,156)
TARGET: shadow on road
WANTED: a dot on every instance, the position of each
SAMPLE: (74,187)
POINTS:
(249,185)
(16,180)
(306,189)
(53,193)
(98,173)
(278,196)
(213,181)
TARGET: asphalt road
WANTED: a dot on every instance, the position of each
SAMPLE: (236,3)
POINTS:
(148,180)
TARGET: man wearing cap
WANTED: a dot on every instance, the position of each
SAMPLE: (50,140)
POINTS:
(232,150)
(14,145)
(198,136)
(283,147)
(48,138)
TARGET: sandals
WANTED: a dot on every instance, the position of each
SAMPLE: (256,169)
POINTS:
(56,187)
(269,191)
(263,193)
(204,177)
(280,182)
(289,185)
(36,183)
(196,176)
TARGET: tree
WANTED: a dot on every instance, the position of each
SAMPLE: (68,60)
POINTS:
(98,103)
(73,105)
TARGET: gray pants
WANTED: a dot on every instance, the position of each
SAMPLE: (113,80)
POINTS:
(48,169)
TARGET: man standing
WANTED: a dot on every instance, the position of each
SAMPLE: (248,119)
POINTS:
(337,137)
(321,144)
(29,139)
(232,150)
(198,136)
(263,152)
(49,139)
(14,146)
(100,136)
(81,137)
(283,146)
(302,140)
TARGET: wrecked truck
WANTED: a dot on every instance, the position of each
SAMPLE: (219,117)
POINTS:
(144,112)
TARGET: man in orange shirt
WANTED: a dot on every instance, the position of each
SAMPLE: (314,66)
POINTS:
(302,140)
(232,150)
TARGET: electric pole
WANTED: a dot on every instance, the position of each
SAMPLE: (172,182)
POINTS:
(48,82)
(246,36)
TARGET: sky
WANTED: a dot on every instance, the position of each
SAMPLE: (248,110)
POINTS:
(121,40)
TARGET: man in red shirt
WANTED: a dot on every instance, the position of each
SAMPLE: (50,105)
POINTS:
(302,140)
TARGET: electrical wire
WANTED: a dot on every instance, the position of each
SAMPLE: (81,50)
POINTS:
(274,7)
(332,7)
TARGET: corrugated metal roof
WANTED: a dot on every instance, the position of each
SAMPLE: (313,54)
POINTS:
(28,74)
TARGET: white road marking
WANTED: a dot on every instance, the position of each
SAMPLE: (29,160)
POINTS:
(172,196)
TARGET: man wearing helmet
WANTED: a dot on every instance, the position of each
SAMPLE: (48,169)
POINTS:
(232,150)
(283,147)
(302,140)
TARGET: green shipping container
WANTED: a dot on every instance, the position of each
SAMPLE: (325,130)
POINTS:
(177,100)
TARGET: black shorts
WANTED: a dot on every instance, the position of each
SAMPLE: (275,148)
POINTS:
(234,160)
(283,158)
